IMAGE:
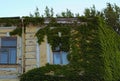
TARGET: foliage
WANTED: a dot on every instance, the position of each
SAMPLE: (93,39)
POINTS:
(49,12)
(94,50)
(37,21)
(10,21)
(110,41)
(94,54)
(83,44)
(86,50)
(112,16)
(27,21)
(92,12)
(53,38)
(65,14)
(36,13)
(17,31)
(50,73)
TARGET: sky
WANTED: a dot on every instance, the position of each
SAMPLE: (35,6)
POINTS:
(12,8)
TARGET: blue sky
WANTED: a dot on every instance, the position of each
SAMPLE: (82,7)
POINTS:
(11,8)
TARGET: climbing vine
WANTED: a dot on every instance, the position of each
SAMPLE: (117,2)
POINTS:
(93,47)
(51,73)
(37,21)
(83,45)
(17,31)
(14,21)
(52,34)
(110,40)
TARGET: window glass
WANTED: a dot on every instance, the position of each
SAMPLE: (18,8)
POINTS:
(3,56)
(56,56)
(12,55)
(8,50)
(64,58)
(8,41)
(60,57)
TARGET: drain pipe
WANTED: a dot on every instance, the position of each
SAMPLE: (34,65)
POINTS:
(23,45)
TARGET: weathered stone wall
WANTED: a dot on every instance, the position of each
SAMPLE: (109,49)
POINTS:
(35,55)
(10,72)
(30,48)
(33,58)
(43,52)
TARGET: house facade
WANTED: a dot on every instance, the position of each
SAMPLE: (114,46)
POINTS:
(19,54)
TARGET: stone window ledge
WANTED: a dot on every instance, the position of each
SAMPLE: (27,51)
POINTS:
(9,65)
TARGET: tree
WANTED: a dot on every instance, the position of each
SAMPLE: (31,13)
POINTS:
(69,13)
(49,12)
(36,13)
(65,14)
(92,12)
(87,12)
(112,16)
(77,15)
(52,13)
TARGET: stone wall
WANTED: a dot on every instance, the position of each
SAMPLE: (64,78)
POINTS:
(10,72)
(35,55)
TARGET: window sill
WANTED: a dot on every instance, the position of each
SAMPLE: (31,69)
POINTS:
(9,65)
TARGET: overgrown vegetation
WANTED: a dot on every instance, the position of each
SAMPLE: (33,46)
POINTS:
(51,73)
(17,31)
(94,55)
(110,40)
(94,50)
(84,56)
(52,34)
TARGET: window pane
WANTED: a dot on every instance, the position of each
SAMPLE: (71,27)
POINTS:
(12,55)
(3,56)
(56,57)
(8,41)
(64,58)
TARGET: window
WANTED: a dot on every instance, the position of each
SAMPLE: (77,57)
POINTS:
(60,57)
(8,50)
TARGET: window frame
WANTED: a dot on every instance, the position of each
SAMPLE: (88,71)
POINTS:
(8,62)
(61,57)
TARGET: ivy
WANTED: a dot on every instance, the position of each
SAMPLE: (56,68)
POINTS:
(110,52)
(83,43)
(51,73)
(17,31)
(93,50)
(14,21)
(53,38)
(37,21)
(41,34)
(33,20)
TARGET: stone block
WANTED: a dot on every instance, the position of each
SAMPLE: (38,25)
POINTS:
(31,42)
(6,29)
(30,55)
(27,68)
(30,36)
(30,49)
(31,29)
(30,62)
